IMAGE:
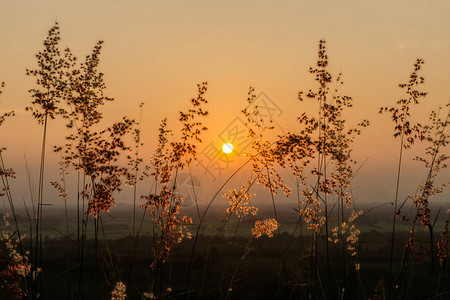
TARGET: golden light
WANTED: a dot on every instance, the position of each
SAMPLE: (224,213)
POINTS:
(227,148)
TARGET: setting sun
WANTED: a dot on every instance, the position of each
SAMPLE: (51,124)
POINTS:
(227,148)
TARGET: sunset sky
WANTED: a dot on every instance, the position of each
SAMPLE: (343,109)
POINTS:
(157,51)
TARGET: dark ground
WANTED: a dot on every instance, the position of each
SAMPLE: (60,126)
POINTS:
(235,267)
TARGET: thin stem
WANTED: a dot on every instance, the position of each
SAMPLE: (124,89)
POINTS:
(38,243)
(395,217)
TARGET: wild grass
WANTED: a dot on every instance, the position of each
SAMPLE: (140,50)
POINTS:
(326,241)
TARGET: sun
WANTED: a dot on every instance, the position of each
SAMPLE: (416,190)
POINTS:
(227,148)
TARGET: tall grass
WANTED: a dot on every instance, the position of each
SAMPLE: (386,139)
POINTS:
(408,131)
(318,155)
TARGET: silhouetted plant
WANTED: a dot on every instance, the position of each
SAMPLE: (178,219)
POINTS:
(14,270)
(60,186)
(119,291)
(94,152)
(404,128)
(401,113)
(7,114)
(51,73)
(75,91)
(239,201)
(442,244)
(134,163)
(434,161)
(15,267)
(262,154)
(349,235)
(328,139)
(164,205)
(4,172)
(267,227)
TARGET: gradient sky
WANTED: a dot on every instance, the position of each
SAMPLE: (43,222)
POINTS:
(156,51)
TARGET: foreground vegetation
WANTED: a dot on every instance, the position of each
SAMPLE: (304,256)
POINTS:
(322,257)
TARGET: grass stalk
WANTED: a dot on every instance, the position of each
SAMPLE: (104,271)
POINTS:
(38,233)
(391,252)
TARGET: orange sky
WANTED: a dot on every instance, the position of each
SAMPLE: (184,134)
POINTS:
(156,51)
